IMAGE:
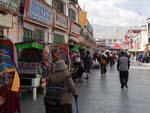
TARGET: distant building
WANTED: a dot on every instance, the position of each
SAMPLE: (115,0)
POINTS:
(136,39)
(106,43)
(148,31)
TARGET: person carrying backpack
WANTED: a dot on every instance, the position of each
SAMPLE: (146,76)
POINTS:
(60,90)
(123,66)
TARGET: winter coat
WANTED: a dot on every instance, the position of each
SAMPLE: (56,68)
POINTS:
(123,63)
(69,86)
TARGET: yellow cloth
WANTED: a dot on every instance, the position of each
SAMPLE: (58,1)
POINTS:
(16,83)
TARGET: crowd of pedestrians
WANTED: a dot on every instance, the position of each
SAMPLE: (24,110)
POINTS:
(62,79)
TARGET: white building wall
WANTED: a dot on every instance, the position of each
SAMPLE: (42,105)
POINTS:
(48,2)
(14,33)
(144,39)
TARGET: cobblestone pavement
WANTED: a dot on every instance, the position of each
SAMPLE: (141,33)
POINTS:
(104,95)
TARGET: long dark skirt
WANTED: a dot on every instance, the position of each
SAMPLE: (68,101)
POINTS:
(65,108)
(103,69)
(11,104)
(50,109)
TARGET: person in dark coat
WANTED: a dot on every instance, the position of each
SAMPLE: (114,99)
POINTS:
(61,75)
(87,62)
(123,66)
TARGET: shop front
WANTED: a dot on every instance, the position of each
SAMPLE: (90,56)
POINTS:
(30,66)
(37,24)
(60,37)
(60,29)
(75,31)
(38,20)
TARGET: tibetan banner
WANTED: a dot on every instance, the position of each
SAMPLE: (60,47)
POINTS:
(83,18)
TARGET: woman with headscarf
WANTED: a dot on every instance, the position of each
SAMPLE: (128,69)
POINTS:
(103,62)
(61,75)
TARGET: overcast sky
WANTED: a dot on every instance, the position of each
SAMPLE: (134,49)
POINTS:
(117,12)
(124,13)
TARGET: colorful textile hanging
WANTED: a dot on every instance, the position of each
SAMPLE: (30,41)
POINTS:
(9,78)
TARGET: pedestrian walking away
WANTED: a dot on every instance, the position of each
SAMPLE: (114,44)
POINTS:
(87,62)
(60,90)
(103,63)
(123,66)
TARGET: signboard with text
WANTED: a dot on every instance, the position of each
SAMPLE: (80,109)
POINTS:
(90,29)
(75,29)
(61,21)
(9,6)
(39,12)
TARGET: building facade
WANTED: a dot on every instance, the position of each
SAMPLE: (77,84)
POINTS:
(9,22)
(52,21)
(136,39)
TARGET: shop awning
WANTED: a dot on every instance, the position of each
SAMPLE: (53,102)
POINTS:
(25,45)
(76,48)
(132,50)
(116,46)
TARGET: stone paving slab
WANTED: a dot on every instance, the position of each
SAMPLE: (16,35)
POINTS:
(104,95)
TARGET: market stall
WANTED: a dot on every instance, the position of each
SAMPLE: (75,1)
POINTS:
(30,64)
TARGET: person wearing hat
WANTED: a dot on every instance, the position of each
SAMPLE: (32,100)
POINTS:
(123,66)
(61,74)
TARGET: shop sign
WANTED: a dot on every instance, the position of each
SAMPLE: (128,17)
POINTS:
(6,21)
(83,18)
(90,29)
(40,12)
(61,21)
(10,6)
(75,28)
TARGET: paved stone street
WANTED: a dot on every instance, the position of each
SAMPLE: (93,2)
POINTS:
(104,95)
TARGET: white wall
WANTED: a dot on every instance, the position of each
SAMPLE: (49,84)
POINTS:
(14,33)
(144,38)
(48,2)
